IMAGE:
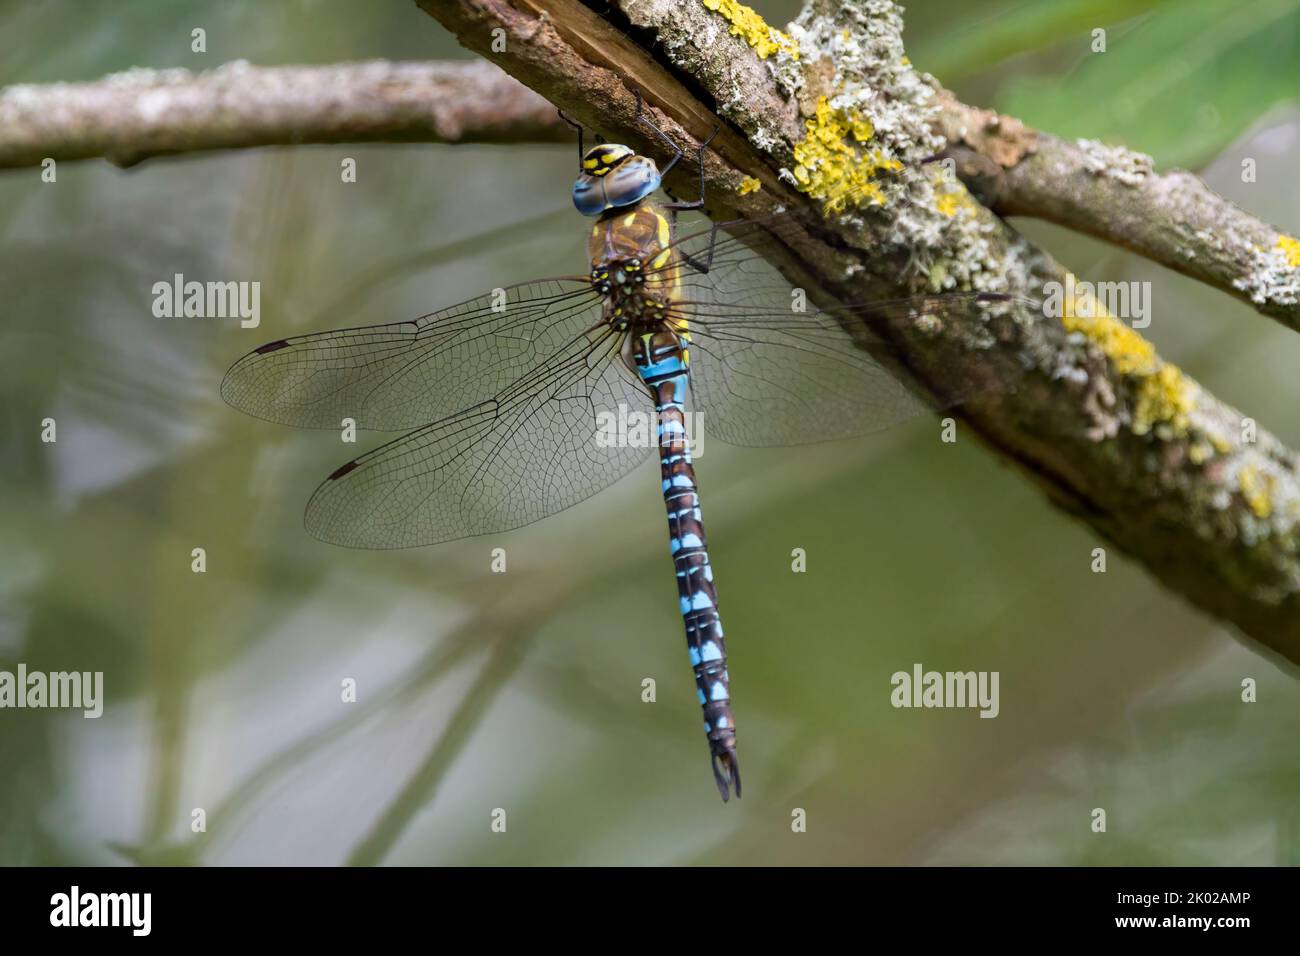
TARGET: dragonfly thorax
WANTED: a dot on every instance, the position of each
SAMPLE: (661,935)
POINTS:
(629,301)
(620,274)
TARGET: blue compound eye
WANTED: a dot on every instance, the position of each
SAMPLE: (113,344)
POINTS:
(613,176)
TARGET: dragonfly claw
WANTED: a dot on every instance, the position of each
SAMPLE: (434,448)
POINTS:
(726,761)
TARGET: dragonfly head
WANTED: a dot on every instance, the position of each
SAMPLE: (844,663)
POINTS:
(613,176)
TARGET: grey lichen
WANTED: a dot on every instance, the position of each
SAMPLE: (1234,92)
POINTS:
(866,144)
(1274,275)
(873,78)
(1123,165)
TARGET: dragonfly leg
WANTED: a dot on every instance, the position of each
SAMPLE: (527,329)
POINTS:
(703,266)
(677,154)
(642,118)
(699,161)
(578,127)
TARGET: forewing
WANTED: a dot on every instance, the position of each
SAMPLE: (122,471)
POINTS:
(406,374)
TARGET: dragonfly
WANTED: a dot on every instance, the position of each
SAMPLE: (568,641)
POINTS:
(501,397)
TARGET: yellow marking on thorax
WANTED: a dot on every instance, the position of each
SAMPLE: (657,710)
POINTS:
(664,236)
(665,230)
(660,259)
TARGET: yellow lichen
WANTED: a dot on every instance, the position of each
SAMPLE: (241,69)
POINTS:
(1256,490)
(746,23)
(950,196)
(1163,394)
(838,172)
(1162,398)
(948,203)
(950,199)
(1291,249)
(749,185)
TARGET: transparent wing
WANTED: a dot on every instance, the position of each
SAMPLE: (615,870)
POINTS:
(762,377)
(406,374)
(789,384)
(765,373)
(529,452)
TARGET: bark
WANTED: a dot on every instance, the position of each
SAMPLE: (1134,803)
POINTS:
(1115,194)
(129,117)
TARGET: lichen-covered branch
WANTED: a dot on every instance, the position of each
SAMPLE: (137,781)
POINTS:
(1111,193)
(1114,194)
(829,119)
(128,117)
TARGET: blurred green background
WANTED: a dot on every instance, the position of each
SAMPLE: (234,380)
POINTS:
(522,690)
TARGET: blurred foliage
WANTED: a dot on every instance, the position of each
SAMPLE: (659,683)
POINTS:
(1177,80)
(522,691)
(973,42)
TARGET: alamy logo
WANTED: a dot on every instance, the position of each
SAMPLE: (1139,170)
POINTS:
(103,909)
(636,428)
(922,688)
(1130,301)
(208,300)
(77,689)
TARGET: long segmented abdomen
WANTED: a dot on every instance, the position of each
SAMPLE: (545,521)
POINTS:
(661,362)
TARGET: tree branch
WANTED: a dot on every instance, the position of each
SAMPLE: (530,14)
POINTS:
(129,117)
(1114,194)
(1110,431)
(1107,192)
